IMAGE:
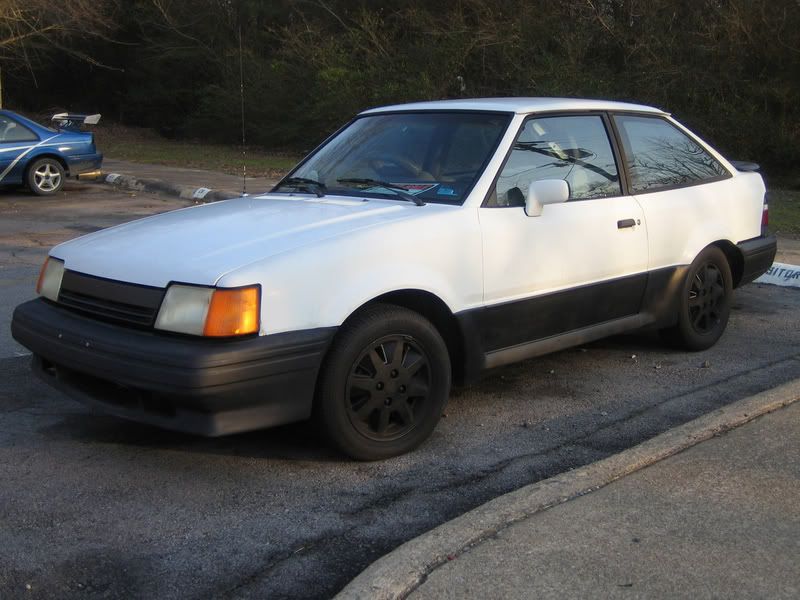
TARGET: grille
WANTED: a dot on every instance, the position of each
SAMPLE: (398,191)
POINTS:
(109,300)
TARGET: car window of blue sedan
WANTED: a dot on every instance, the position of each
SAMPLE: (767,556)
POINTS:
(11,131)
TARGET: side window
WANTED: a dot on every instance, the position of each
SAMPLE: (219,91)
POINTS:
(659,155)
(575,149)
(11,131)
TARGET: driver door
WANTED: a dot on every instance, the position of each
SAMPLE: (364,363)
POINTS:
(581,262)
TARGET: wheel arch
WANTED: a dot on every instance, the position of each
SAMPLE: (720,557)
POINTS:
(734,257)
(47,154)
(436,310)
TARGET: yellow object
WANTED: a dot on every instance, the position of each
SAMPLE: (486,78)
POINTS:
(41,275)
(233,312)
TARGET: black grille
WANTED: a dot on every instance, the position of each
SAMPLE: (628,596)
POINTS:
(110,300)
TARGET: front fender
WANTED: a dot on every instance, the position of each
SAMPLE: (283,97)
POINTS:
(322,284)
(358,290)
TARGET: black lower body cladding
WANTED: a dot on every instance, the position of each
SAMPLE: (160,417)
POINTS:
(758,255)
(202,386)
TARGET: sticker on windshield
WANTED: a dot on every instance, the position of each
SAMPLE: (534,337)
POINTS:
(416,188)
(446,191)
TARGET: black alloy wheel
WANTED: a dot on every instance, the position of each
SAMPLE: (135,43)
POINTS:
(704,304)
(706,299)
(388,387)
(384,383)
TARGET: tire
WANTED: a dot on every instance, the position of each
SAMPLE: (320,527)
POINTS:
(45,177)
(705,302)
(372,403)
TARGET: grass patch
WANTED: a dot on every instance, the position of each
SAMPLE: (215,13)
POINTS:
(145,146)
(784,211)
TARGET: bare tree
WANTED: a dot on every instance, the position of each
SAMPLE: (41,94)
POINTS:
(30,29)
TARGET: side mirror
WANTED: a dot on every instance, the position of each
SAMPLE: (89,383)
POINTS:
(545,191)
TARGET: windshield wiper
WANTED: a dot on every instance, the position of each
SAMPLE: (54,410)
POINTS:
(401,191)
(303,183)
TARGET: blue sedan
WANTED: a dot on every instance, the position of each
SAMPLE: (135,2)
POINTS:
(41,157)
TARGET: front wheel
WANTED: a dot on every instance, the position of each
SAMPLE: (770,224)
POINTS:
(705,302)
(385,383)
(45,177)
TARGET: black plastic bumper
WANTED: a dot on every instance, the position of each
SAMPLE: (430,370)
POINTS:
(758,255)
(203,386)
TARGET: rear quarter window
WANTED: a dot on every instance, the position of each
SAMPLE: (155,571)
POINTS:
(12,131)
(659,155)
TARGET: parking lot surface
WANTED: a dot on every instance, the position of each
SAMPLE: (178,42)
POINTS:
(92,506)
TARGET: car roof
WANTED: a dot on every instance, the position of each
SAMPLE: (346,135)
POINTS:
(10,113)
(517,105)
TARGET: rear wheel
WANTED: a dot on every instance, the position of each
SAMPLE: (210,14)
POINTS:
(384,385)
(705,302)
(45,177)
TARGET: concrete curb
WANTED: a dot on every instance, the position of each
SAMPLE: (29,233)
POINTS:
(401,571)
(157,186)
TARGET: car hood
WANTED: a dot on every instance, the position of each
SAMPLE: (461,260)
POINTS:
(201,244)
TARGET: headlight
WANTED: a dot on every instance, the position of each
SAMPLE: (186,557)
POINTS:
(184,309)
(49,283)
(210,312)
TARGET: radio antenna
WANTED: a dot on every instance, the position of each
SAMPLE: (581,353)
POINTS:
(241,96)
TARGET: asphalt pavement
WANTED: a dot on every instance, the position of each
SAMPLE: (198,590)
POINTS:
(92,506)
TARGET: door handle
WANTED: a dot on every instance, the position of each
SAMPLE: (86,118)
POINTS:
(624,223)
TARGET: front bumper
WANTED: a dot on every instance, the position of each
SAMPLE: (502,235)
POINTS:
(758,254)
(203,386)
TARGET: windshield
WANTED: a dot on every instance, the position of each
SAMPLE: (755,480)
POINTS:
(435,156)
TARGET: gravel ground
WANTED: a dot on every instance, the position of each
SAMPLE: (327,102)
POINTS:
(92,506)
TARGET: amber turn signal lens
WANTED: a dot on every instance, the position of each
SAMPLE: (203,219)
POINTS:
(41,275)
(233,312)
(49,283)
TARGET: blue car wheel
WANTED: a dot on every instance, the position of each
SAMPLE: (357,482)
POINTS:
(45,177)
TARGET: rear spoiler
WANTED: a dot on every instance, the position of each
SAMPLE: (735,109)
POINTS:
(742,165)
(74,121)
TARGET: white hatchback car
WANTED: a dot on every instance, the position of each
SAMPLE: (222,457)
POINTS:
(419,245)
